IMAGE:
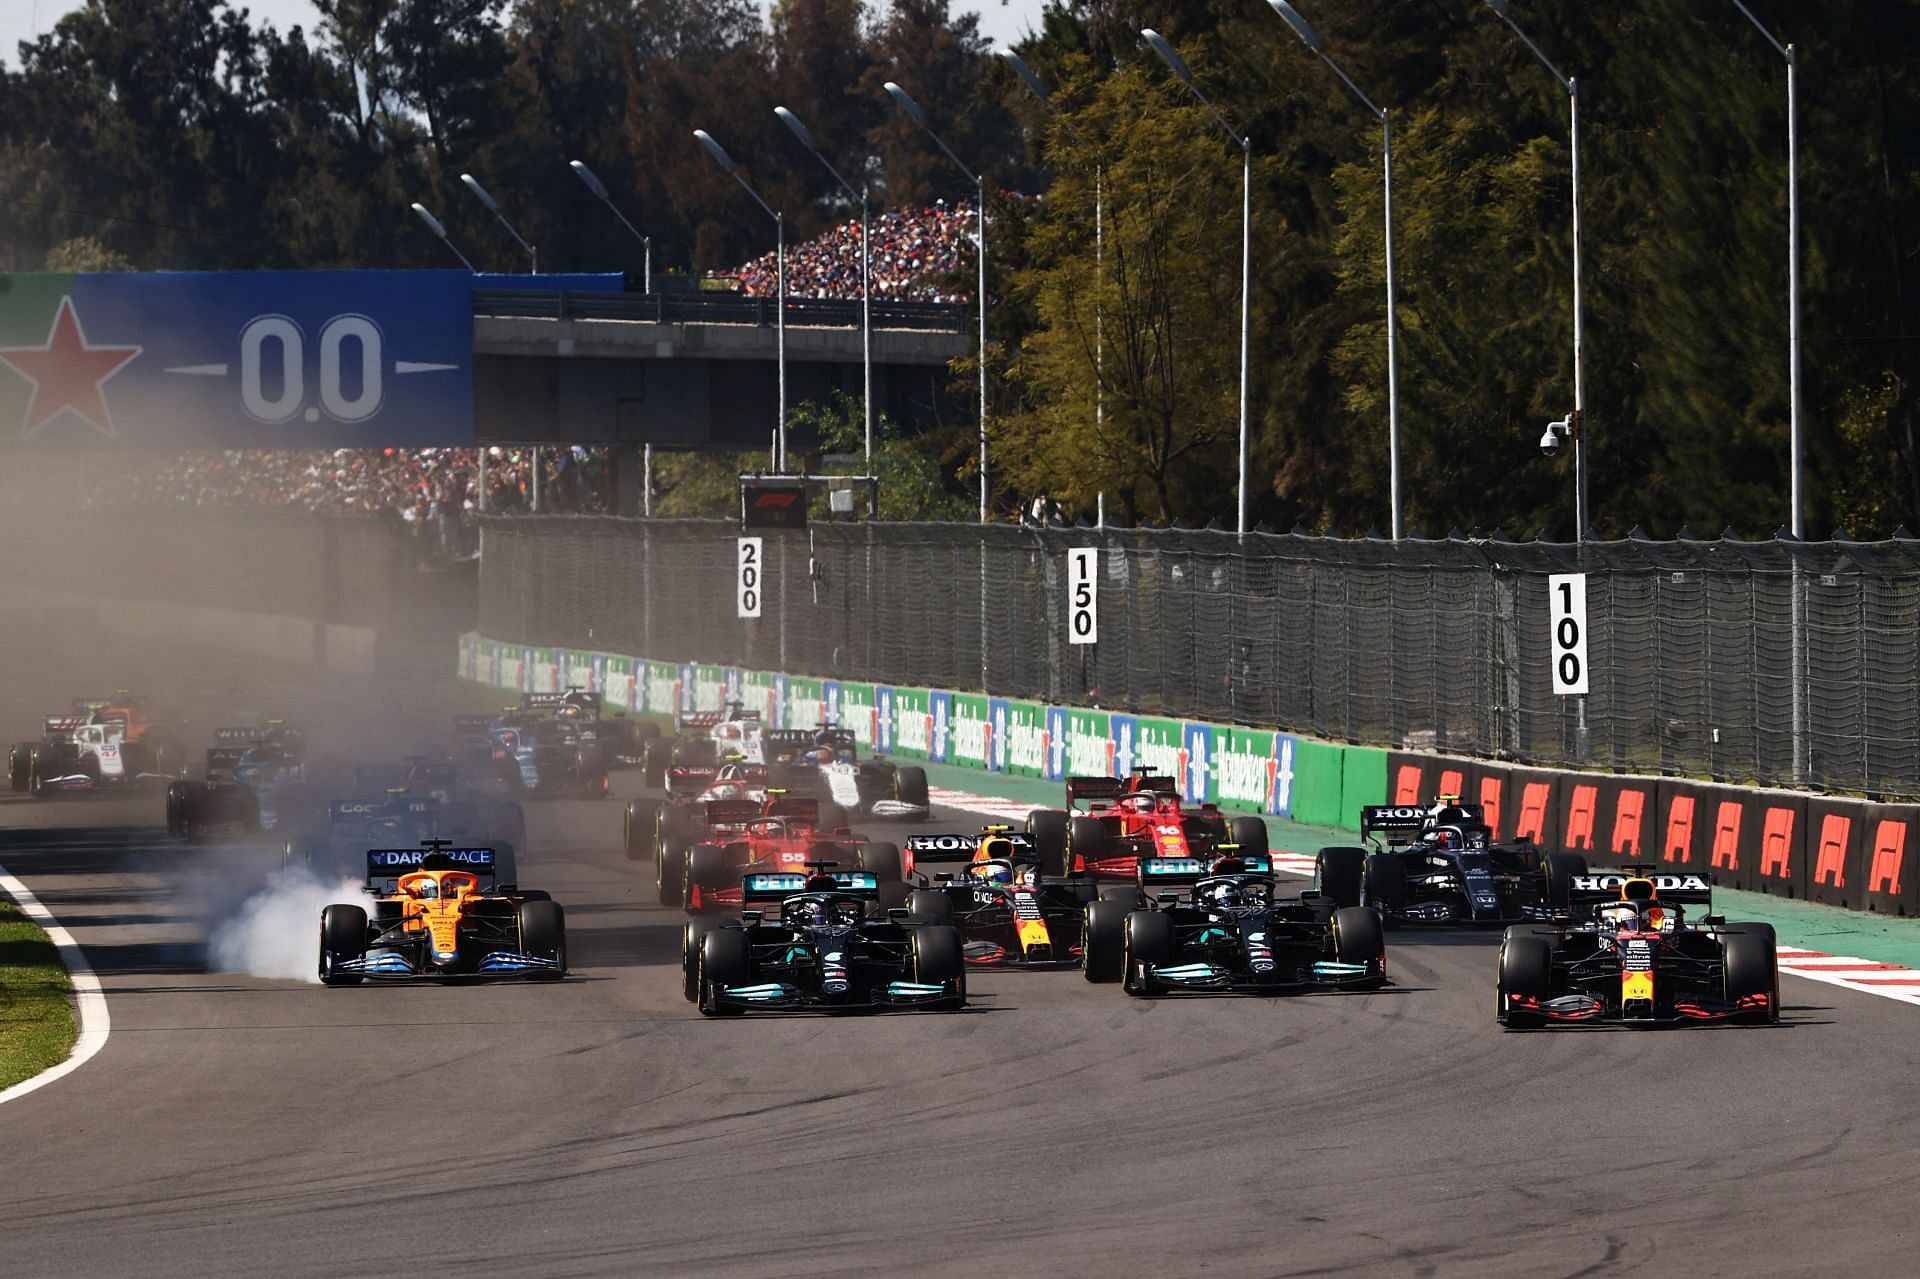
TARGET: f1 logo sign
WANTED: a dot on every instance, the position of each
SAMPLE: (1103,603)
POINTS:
(1567,599)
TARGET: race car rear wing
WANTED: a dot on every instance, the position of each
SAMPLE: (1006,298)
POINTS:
(588,702)
(802,808)
(1393,819)
(1605,886)
(472,725)
(788,741)
(245,735)
(779,887)
(432,774)
(1168,872)
(731,812)
(734,711)
(1094,788)
(963,848)
(52,726)
(347,812)
(222,759)
(385,866)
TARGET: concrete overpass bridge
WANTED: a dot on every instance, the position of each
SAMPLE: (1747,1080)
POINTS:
(696,370)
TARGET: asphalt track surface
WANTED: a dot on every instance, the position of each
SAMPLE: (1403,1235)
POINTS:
(234,1125)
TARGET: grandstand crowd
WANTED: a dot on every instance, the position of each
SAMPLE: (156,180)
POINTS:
(917,254)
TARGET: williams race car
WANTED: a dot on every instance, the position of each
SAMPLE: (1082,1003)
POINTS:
(1230,931)
(440,912)
(1111,823)
(1628,954)
(824,951)
(825,763)
(1006,911)
(1440,865)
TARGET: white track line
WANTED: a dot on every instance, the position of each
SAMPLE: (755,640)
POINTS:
(1868,976)
(87,996)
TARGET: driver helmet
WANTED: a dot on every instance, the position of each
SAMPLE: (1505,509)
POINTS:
(1656,919)
(1142,802)
(803,912)
(1445,837)
(1224,895)
(1622,917)
(425,890)
(726,790)
(993,872)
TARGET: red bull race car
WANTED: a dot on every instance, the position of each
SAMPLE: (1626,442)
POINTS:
(1006,910)
(1627,953)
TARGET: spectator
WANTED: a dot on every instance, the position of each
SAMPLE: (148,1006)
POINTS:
(915,252)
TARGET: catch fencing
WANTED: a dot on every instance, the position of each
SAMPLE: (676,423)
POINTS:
(1696,667)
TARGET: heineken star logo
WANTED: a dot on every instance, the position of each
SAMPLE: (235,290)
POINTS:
(67,373)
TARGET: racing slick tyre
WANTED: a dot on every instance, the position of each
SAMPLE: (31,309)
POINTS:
(640,833)
(881,859)
(725,960)
(1357,936)
(19,767)
(543,934)
(910,787)
(692,934)
(929,906)
(1342,875)
(343,935)
(1560,868)
(1750,966)
(1526,968)
(939,959)
(1103,940)
(1386,883)
(670,872)
(693,752)
(177,809)
(1147,943)
(1048,827)
(833,817)
(1250,833)
(894,896)
(1128,893)
(1086,841)
(654,754)
(707,870)
(506,865)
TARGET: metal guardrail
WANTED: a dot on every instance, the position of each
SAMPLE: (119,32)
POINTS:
(715,308)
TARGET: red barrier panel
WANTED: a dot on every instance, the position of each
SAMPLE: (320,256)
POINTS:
(1678,809)
(1890,849)
(1836,852)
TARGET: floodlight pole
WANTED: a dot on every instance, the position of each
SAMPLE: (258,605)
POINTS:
(919,117)
(725,161)
(599,189)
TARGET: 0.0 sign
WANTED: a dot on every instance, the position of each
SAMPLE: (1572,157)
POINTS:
(1567,596)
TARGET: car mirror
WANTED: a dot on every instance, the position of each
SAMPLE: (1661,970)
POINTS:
(1168,899)
(752,916)
(898,914)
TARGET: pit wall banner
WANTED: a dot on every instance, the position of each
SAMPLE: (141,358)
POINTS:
(972,728)
(1845,852)
(907,722)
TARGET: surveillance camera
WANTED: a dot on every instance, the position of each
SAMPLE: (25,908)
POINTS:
(1549,442)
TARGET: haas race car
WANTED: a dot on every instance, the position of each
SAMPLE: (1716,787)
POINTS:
(1628,954)
(1440,865)
(1229,930)
(824,950)
(1110,824)
(439,911)
(102,743)
(1006,910)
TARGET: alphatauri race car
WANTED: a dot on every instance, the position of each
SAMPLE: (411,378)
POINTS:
(1006,911)
(824,950)
(1440,865)
(1627,953)
(439,911)
(1230,930)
